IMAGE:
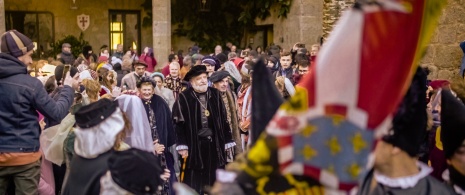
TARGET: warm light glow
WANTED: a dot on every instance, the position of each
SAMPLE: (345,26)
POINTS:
(116,38)
(134,45)
(116,26)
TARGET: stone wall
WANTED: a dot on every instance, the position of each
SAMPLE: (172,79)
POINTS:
(444,55)
(66,18)
(303,24)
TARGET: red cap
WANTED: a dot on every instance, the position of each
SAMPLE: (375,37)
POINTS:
(436,84)
(102,59)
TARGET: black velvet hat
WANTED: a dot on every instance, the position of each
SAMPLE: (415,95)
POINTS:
(145,79)
(136,171)
(195,71)
(91,115)
(410,120)
(452,123)
(218,76)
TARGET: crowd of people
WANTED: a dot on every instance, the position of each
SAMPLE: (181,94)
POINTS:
(124,124)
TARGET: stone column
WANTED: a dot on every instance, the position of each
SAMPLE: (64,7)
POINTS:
(161,30)
(2,17)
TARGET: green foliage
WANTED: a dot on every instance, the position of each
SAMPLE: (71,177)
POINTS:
(76,44)
(227,20)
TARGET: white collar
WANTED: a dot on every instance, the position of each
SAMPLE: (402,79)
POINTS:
(446,178)
(91,142)
(404,182)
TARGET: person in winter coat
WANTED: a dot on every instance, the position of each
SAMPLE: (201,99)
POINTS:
(66,56)
(22,95)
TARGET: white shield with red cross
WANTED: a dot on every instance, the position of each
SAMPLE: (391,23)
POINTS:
(83,21)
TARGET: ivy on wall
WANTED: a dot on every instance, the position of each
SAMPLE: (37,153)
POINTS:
(226,20)
(76,45)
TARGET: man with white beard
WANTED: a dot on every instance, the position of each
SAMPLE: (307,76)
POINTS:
(202,129)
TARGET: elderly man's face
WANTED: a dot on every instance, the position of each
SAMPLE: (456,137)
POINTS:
(200,83)
(222,85)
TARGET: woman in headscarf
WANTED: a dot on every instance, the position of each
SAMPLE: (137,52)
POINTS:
(165,93)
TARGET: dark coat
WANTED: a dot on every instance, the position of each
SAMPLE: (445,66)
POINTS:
(288,73)
(67,58)
(187,118)
(21,97)
(84,175)
(164,123)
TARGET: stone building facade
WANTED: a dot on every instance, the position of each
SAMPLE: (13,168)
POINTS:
(444,55)
(308,22)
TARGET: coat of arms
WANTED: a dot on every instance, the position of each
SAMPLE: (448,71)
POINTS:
(83,21)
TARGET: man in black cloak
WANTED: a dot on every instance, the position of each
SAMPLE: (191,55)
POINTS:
(202,130)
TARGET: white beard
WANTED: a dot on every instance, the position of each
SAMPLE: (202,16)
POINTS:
(200,89)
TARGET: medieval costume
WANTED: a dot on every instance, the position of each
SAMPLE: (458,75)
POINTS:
(230,103)
(175,84)
(131,79)
(409,127)
(132,172)
(98,125)
(161,126)
(202,129)
(162,91)
(244,105)
(453,139)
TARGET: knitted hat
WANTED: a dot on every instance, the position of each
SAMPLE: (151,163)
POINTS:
(15,43)
(211,60)
(66,45)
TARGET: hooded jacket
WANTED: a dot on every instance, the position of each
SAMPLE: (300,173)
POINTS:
(21,97)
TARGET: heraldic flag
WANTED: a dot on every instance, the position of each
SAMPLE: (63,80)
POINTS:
(327,130)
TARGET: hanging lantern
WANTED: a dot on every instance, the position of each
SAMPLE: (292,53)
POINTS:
(204,5)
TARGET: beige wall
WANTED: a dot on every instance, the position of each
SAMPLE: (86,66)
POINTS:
(444,54)
(303,23)
(66,19)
